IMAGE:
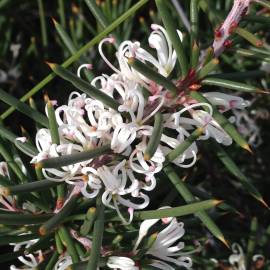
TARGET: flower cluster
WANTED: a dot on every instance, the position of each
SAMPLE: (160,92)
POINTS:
(164,251)
(126,174)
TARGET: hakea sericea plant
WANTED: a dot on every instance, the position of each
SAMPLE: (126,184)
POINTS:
(111,142)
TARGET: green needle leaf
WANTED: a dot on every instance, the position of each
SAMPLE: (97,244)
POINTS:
(55,140)
(249,37)
(239,75)
(209,67)
(97,237)
(231,166)
(152,75)
(23,108)
(43,26)
(6,154)
(242,87)
(252,54)
(58,218)
(84,86)
(61,11)
(179,211)
(28,187)
(52,122)
(182,147)
(69,244)
(52,261)
(23,219)
(66,160)
(97,13)
(88,222)
(64,37)
(58,243)
(155,137)
(188,197)
(252,240)
(194,20)
(195,53)
(25,147)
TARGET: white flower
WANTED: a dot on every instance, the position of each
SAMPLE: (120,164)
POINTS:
(226,102)
(30,261)
(150,167)
(203,119)
(167,247)
(160,41)
(117,181)
(238,259)
(121,263)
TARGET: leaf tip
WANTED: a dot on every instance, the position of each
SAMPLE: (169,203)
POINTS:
(5,191)
(38,165)
(54,21)
(247,147)
(224,241)
(263,202)
(215,61)
(146,157)
(51,65)
(131,60)
(260,91)
(216,202)
(42,231)
(46,98)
